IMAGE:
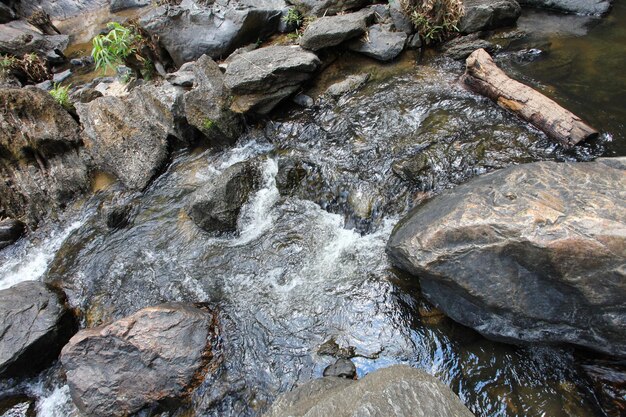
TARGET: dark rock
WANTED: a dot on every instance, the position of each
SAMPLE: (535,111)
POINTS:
(10,231)
(59,9)
(291,172)
(332,348)
(39,155)
(414,42)
(130,137)
(530,253)
(303,100)
(380,43)
(260,79)
(85,95)
(583,7)
(119,5)
(192,29)
(6,13)
(342,368)
(333,30)
(215,207)
(150,358)
(35,326)
(327,7)
(488,14)
(350,84)
(462,47)
(395,391)
(400,20)
(207,105)
(19,37)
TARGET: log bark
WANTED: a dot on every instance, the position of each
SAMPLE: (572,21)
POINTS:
(484,77)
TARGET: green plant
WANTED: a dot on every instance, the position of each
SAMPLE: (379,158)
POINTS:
(208,124)
(293,18)
(62,95)
(30,69)
(434,20)
(7,62)
(112,49)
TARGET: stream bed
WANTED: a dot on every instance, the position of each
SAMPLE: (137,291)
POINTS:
(309,263)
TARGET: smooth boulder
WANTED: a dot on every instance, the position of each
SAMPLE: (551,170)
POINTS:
(395,391)
(532,253)
(488,14)
(35,325)
(380,43)
(583,7)
(10,231)
(260,79)
(333,30)
(152,357)
(215,207)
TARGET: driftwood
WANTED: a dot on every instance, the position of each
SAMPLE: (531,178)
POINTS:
(484,77)
(41,20)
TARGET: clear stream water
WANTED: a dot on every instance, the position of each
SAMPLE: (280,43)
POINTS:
(309,265)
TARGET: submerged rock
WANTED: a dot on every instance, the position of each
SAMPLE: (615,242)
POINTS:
(10,231)
(380,43)
(585,7)
(350,84)
(260,79)
(342,368)
(150,358)
(488,14)
(216,206)
(35,325)
(39,155)
(333,30)
(530,253)
(395,391)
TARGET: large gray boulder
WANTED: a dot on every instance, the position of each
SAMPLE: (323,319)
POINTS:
(59,9)
(207,105)
(39,155)
(327,7)
(333,30)
(260,79)
(19,37)
(128,137)
(488,14)
(215,207)
(192,29)
(395,391)
(533,253)
(585,7)
(149,358)
(35,325)
(381,43)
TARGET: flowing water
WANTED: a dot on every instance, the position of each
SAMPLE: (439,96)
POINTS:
(309,263)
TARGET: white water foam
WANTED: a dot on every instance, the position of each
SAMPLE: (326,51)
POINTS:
(56,403)
(32,260)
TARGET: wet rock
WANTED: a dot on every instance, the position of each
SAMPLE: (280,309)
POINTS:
(262,78)
(380,43)
(10,231)
(583,7)
(488,14)
(35,325)
(215,207)
(19,37)
(39,155)
(152,357)
(333,30)
(530,253)
(327,7)
(332,348)
(59,9)
(342,368)
(85,95)
(207,105)
(193,29)
(303,100)
(350,84)
(119,5)
(461,48)
(395,391)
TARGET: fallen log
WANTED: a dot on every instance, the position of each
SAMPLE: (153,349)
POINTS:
(484,77)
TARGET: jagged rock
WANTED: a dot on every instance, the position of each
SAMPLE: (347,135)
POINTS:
(128,137)
(327,7)
(85,95)
(530,253)
(260,79)
(19,37)
(149,358)
(333,30)
(380,43)
(586,7)
(35,325)
(59,9)
(119,5)
(488,14)
(191,29)
(395,391)
(10,231)
(350,84)
(342,368)
(40,164)
(462,47)
(207,105)
(215,207)
(399,18)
